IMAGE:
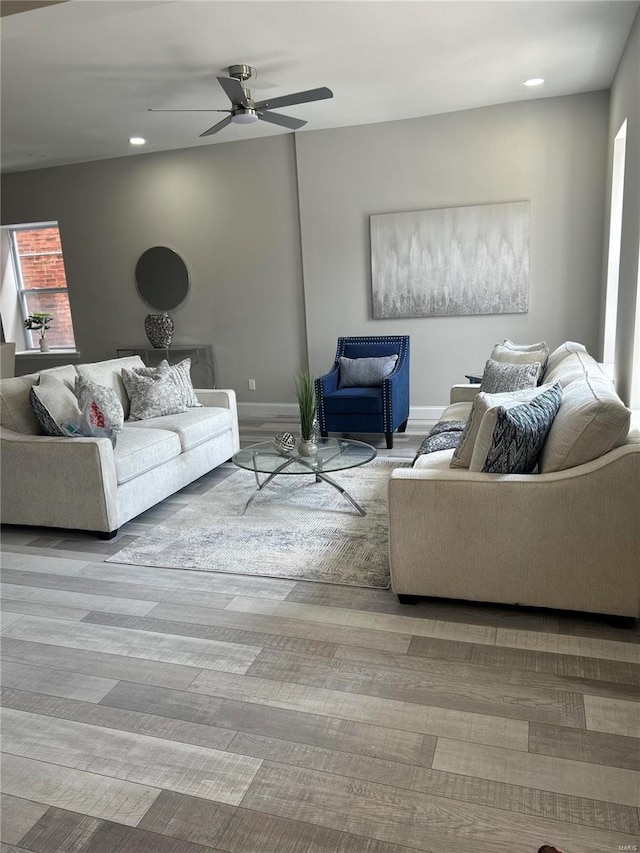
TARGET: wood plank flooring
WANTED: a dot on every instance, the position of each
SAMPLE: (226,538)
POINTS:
(154,710)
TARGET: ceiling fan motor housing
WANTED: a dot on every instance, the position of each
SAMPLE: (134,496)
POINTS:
(241,72)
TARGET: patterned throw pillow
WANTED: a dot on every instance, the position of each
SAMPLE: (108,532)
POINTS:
(365,372)
(486,405)
(500,377)
(53,402)
(181,375)
(152,396)
(513,441)
(105,398)
(522,354)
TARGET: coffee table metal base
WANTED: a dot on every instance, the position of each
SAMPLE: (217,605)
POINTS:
(318,475)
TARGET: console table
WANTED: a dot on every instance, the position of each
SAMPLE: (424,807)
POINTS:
(201,356)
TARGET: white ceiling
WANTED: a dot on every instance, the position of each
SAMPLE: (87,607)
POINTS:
(77,77)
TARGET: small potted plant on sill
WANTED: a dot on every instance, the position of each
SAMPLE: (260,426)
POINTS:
(306,394)
(40,322)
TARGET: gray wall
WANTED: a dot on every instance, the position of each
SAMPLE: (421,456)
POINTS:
(551,151)
(232,211)
(625,104)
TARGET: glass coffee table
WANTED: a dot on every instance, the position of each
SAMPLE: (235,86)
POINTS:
(334,454)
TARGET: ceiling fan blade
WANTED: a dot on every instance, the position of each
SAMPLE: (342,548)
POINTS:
(217,127)
(295,98)
(185,110)
(234,90)
(283,121)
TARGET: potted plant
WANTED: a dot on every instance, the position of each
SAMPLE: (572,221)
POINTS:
(306,394)
(40,322)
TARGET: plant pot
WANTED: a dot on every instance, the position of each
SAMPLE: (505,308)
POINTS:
(307,447)
(44,345)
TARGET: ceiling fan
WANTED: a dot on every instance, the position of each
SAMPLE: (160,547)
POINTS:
(244,110)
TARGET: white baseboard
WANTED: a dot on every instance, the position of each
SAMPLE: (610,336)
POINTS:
(267,410)
(290,410)
(426,413)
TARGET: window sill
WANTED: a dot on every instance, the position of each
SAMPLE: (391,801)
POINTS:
(71,354)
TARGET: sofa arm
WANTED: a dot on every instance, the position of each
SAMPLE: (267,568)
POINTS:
(58,482)
(465,393)
(224,398)
(566,540)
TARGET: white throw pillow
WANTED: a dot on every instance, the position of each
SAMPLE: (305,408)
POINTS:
(53,402)
(522,354)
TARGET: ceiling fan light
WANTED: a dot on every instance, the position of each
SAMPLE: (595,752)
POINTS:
(244,116)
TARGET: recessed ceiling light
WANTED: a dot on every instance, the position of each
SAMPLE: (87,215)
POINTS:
(534,81)
(137,140)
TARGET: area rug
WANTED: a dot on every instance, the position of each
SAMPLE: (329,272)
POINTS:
(295,528)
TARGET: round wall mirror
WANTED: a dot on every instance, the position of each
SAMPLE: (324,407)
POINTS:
(162,278)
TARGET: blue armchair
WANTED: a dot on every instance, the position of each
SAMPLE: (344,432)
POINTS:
(368,409)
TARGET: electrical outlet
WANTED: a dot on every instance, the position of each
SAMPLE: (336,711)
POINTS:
(252,384)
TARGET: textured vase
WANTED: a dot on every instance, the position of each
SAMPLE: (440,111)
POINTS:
(307,447)
(159,330)
(44,345)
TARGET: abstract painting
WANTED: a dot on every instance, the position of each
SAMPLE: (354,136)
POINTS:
(452,261)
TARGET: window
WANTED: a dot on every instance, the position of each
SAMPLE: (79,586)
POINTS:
(635,368)
(41,283)
(615,238)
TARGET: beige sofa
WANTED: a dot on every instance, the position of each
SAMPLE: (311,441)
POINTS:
(567,539)
(85,483)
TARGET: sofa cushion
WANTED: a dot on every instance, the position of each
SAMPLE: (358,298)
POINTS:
(193,427)
(591,421)
(53,403)
(482,404)
(108,373)
(16,412)
(141,450)
(445,435)
(152,396)
(511,438)
(561,353)
(440,460)
(500,377)
(353,401)
(365,372)
(576,365)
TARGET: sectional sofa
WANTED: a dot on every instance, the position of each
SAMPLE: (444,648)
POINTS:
(86,483)
(567,537)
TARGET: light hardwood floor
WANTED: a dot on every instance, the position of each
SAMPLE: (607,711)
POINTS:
(162,711)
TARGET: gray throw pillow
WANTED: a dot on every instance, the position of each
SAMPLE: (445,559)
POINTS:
(511,443)
(106,398)
(180,373)
(365,372)
(152,396)
(500,377)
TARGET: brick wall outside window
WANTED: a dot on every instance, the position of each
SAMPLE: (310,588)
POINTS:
(42,267)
